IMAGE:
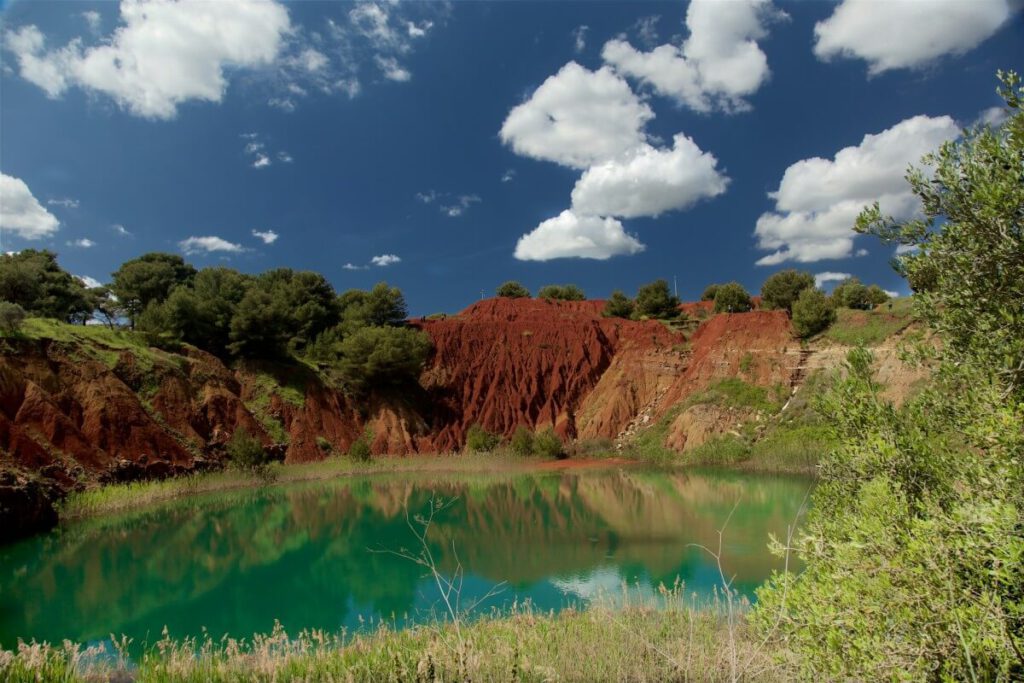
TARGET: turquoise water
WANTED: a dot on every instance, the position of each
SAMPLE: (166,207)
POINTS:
(322,555)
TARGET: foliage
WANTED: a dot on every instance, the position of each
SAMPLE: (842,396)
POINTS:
(388,356)
(876,296)
(548,445)
(201,314)
(522,441)
(246,452)
(655,300)
(11,317)
(149,279)
(479,440)
(851,293)
(32,279)
(709,292)
(782,289)
(732,298)
(382,306)
(813,312)
(562,293)
(513,290)
(360,448)
(260,327)
(868,328)
(618,305)
(914,546)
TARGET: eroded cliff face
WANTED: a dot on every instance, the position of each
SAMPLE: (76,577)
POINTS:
(71,415)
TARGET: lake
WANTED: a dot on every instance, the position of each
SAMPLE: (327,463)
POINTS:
(323,555)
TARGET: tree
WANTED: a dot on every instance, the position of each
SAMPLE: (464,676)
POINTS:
(850,293)
(655,300)
(201,314)
(812,312)
(32,279)
(11,317)
(732,298)
(382,356)
(513,290)
(261,327)
(381,306)
(108,307)
(562,293)
(782,288)
(618,305)
(149,279)
(876,295)
(709,293)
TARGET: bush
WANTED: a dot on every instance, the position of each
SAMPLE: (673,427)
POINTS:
(522,441)
(246,452)
(360,448)
(513,290)
(11,317)
(562,293)
(732,298)
(812,312)
(548,445)
(876,295)
(655,300)
(709,293)
(851,294)
(618,305)
(389,356)
(782,289)
(479,440)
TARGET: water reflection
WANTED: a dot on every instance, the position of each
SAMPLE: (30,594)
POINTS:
(304,554)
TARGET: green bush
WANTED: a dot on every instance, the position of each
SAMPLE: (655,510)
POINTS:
(522,441)
(709,293)
(548,445)
(782,289)
(732,298)
(655,300)
(11,317)
(382,356)
(360,448)
(813,312)
(562,293)
(876,295)
(513,290)
(246,452)
(851,293)
(479,440)
(618,305)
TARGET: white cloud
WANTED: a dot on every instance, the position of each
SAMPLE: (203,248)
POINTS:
(460,206)
(82,243)
(579,38)
(261,161)
(892,294)
(646,29)
(385,260)
(21,212)
(392,70)
(312,60)
(92,19)
(650,183)
(257,150)
(208,245)
(285,157)
(818,199)
(577,118)
(268,236)
(508,176)
(570,235)
(120,230)
(285,104)
(89,282)
(993,117)
(716,67)
(352,266)
(829,276)
(901,34)
(66,202)
(164,53)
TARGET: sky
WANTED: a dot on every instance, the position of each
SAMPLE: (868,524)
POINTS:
(448,147)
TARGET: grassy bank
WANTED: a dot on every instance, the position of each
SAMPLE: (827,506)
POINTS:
(641,641)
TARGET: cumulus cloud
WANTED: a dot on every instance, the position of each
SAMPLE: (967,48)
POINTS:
(650,183)
(902,34)
(716,67)
(818,199)
(829,276)
(209,245)
(577,118)
(570,235)
(993,116)
(21,212)
(163,54)
(385,260)
(268,236)
(82,243)
(392,70)
(89,282)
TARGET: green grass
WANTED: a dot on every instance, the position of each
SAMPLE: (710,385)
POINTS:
(98,342)
(623,638)
(870,328)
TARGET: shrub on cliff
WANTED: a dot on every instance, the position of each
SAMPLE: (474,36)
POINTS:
(813,312)
(513,290)
(562,293)
(618,305)
(547,444)
(360,448)
(522,441)
(782,289)
(247,453)
(388,356)
(655,300)
(876,295)
(732,298)
(479,440)
(709,293)
(11,317)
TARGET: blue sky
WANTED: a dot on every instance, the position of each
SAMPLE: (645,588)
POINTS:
(446,148)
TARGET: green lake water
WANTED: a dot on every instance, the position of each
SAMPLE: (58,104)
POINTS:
(315,555)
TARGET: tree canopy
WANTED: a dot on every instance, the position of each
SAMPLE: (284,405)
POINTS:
(513,290)
(32,279)
(655,300)
(562,293)
(732,298)
(782,288)
(149,279)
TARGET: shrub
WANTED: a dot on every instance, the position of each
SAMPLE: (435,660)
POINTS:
(522,441)
(323,444)
(513,290)
(876,295)
(479,440)
(618,305)
(655,300)
(382,356)
(360,448)
(709,293)
(11,317)
(812,312)
(851,294)
(548,445)
(732,298)
(562,293)
(246,452)
(782,289)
